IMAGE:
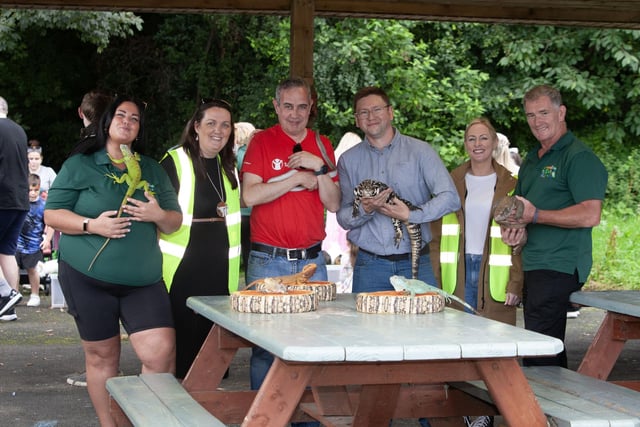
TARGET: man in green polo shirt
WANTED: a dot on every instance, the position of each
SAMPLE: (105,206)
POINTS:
(562,184)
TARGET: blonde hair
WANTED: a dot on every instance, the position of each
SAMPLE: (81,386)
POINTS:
(243,133)
(485,122)
(503,156)
(4,107)
(347,141)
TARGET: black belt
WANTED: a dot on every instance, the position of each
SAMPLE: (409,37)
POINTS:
(397,257)
(290,254)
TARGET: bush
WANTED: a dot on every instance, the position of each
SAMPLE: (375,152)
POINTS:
(615,264)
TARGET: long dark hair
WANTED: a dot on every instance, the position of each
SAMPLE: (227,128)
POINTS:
(99,140)
(192,146)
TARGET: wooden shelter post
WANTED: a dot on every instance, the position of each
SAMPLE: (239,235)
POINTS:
(301,44)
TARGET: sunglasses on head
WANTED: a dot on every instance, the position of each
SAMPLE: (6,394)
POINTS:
(216,102)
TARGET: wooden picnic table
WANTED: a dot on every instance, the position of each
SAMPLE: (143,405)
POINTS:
(350,368)
(620,324)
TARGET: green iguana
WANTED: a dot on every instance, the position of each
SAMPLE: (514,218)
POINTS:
(414,286)
(133,178)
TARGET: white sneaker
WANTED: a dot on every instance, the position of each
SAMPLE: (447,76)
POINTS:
(9,315)
(483,421)
(34,301)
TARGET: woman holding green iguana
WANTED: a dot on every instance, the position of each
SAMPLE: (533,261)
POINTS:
(125,283)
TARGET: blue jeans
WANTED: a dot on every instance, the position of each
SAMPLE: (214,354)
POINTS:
(471,279)
(371,273)
(263,265)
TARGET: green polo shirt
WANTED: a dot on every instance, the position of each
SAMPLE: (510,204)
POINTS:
(567,174)
(83,187)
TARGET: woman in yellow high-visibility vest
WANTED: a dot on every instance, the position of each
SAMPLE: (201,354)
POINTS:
(474,263)
(203,256)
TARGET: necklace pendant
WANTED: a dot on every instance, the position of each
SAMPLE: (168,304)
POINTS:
(221,208)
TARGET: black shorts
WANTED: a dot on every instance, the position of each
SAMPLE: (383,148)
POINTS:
(98,307)
(29,260)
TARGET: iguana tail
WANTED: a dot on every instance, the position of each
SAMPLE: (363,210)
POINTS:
(418,286)
(104,245)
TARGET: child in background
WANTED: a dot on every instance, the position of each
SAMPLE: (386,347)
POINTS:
(31,243)
(45,173)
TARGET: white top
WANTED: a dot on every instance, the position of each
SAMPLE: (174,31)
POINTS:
(336,332)
(47,175)
(477,211)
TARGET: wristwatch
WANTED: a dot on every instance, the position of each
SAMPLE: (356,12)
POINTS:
(323,170)
(85,226)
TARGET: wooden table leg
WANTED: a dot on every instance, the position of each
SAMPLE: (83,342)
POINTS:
(511,392)
(607,345)
(279,395)
(376,405)
(212,360)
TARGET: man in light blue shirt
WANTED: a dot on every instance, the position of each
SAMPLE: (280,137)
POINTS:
(414,171)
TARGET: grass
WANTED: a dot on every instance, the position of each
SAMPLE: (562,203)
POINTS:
(615,257)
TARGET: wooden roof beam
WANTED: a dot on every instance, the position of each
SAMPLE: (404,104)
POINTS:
(598,13)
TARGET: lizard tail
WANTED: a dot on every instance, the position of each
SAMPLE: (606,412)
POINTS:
(464,304)
(415,239)
(98,254)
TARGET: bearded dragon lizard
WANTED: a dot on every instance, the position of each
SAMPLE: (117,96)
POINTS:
(133,178)
(414,286)
(508,212)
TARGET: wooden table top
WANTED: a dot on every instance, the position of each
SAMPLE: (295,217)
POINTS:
(336,332)
(623,302)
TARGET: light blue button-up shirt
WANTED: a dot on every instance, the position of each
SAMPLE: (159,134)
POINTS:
(413,169)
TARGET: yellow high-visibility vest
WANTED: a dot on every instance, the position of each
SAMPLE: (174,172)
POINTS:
(174,245)
(499,258)
(449,251)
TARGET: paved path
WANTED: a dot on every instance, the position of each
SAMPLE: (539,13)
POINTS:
(41,348)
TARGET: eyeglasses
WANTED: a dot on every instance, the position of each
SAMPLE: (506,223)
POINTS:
(375,111)
(297,148)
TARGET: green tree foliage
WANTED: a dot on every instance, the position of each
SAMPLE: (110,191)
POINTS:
(96,28)
(46,65)
(431,101)
(439,75)
(595,69)
(173,69)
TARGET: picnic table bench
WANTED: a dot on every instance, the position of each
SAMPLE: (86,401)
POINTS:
(156,400)
(571,399)
(620,324)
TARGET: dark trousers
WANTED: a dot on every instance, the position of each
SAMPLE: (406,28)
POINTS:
(546,297)
(245,240)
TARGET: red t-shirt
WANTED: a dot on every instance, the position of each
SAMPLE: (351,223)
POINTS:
(296,219)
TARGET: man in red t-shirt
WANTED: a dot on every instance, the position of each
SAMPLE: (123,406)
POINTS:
(288,179)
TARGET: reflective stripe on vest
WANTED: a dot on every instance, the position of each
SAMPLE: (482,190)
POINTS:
(499,258)
(449,250)
(499,264)
(174,245)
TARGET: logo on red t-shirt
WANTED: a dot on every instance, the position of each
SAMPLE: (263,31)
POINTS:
(277,164)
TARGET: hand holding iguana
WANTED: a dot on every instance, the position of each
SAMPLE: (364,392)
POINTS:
(133,178)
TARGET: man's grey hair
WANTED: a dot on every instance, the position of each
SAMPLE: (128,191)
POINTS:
(292,82)
(4,107)
(543,90)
